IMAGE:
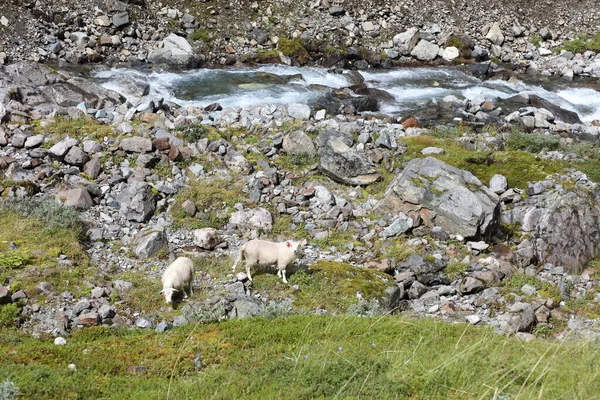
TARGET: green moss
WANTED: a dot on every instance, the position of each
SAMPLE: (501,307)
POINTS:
(536,40)
(456,269)
(293,48)
(268,56)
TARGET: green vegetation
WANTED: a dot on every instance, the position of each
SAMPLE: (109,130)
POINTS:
(9,315)
(458,42)
(583,43)
(546,289)
(293,48)
(78,128)
(456,269)
(398,251)
(536,40)
(213,198)
(200,34)
(519,167)
(532,142)
(325,285)
(301,357)
(267,56)
(193,132)
(41,230)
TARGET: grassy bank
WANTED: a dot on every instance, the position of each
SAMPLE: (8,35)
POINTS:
(304,356)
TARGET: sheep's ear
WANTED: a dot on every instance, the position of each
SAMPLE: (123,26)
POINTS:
(162,292)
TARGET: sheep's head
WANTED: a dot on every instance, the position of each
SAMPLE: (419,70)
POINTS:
(168,293)
(295,245)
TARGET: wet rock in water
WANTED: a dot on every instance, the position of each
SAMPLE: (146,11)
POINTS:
(444,196)
(569,117)
(346,165)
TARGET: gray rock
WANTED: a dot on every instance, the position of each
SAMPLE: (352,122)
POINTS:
(5,295)
(189,207)
(386,140)
(206,238)
(174,48)
(180,320)
(34,141)
(470,285)
(498,184)
(78,198)
(336,11)
(137,201)
(245,307)
(299,111)
(346,165)
(99,292)
(144,323)
(60,341)
(528,290)
(428,151)
(450,53)
(406,41)
(425,51)
(564,224)
(298,142)
(258,218)
(401,224)
(495,34)
(105,311)
(122,286)
(259,36)
(447,197)
(417,289)
(81,306)
(91,146)
(163,326)
(137,144)
(93,167)
(18,139)
(76,157)
(120,19)
(89,319)
(148,242)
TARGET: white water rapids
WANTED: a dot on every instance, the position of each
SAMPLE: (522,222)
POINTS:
(411,87)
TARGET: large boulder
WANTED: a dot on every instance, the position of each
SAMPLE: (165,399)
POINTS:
(136,201)
(174,49)
(406,41)
(149,242)
(298,142)
(425,51)
(443,195)
(345,164)
(569,117)
(563,226)
(258,218)
(495,34)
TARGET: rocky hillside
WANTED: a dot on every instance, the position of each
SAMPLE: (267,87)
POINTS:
(526,34)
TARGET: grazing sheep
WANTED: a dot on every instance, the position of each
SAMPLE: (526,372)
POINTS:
(179,276)
(263,252)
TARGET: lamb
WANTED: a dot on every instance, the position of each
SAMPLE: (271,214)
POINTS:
(179,276)
(263,252)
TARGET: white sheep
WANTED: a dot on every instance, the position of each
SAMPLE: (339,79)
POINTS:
(179,276)
(263,252)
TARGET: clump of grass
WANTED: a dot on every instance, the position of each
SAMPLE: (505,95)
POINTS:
(532,142)
(398,251)
(78,128)
(42,230)
(9,315)
(545,289)
(200,34)
(193,132)
(303,356)
(536,40)
(293,48)
(456,269)
(214,198)
(268,56)
(583,43)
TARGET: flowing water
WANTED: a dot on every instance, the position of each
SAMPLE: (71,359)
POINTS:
(412,88)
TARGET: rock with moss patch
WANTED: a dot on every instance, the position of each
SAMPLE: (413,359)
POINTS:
(149,242)
(443,195)
(255,219)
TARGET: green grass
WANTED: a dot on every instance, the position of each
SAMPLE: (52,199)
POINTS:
(215,198)
(302,357)
(42,230)
(536,40)
(200,34)
(78,128)
(532,142)
(519,167)
(546,289)
(583,43)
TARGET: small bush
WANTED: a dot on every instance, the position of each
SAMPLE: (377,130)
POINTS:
(200,34)
(52,214)
(9,315)
(193,132)
(583,43)
(536,40)
(532,142)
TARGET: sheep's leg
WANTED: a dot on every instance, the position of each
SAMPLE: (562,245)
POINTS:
(248,265)
(283,276)
(191,287)
(279,273)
